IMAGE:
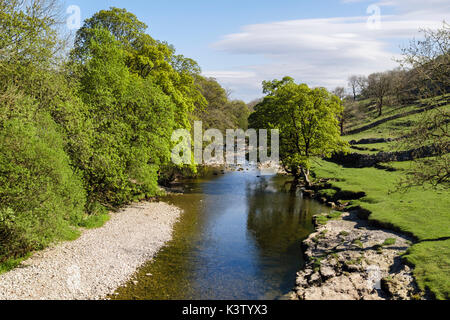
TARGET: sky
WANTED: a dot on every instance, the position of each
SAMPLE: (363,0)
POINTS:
(320,43)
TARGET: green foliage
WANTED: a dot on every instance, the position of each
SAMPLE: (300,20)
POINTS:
(431,261)
(41,197)
(82,135)
(358,243)
(324,218)
(146,57)
(328,193)
(26,32)
(220,113)
(389,242)
(94,221)
(129,142)
(307,120)
(12,263)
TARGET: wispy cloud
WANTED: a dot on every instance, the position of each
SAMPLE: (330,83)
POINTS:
(324,52)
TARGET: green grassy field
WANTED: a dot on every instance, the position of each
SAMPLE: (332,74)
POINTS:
(391,129)
(420,212)
(366,113)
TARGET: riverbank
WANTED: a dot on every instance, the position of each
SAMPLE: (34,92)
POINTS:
(98,262)
(419,213)
(348,259)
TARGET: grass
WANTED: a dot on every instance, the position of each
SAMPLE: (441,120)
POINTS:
(329,193)
(391,129)
(10,264)
(420,212)
(423,213)
(324,218)
(358,243)
(432,266)
(90,222)
(370,115)
(389,242)
(95,221)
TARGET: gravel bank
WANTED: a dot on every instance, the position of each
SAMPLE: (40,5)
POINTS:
(94,265)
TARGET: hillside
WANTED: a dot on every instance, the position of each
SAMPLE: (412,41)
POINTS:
(421,212)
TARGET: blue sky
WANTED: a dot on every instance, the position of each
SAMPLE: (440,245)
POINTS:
(319,43)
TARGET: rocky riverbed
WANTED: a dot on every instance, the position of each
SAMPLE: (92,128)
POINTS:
(350,260)
(98,262)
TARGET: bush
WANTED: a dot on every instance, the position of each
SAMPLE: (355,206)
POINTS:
(41,198)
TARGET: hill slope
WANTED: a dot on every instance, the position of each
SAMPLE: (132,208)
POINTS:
(420,212)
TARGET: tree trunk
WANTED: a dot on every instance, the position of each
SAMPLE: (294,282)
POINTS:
(305,174)
(380,107)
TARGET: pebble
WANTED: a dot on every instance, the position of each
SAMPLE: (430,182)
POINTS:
(97,263)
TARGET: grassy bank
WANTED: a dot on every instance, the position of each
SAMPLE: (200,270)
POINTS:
(421,212)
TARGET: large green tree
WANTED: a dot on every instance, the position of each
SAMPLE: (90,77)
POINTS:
(307,120)
(127,110)
(146,57)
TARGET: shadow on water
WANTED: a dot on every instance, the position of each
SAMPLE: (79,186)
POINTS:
(238,238)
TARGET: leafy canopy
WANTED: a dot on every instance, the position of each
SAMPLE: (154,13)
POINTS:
(307,120)
(146,57)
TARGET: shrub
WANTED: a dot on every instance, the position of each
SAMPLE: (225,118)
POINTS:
(41,198)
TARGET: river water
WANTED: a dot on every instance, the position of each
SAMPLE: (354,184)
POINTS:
(239,238)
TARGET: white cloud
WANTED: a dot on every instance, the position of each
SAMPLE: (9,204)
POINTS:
(324,52)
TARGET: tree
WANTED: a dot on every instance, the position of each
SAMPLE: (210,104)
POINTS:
(147,57)
(401,86)
(362,85)
(340,93)
(240,113)
(80,135)
(29,44)
(378,87)
(41,127)
(357,85)
(353,83)
(41,197)
(252,104)
(220,113)
(429,61)
(129,141)
(307,120)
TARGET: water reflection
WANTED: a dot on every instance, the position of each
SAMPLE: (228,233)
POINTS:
(239,238)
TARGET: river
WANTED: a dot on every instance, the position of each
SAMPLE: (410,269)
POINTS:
(239,238)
